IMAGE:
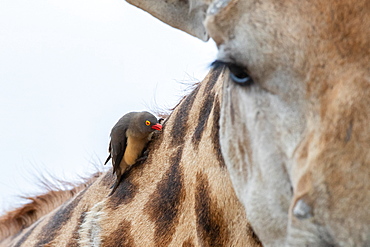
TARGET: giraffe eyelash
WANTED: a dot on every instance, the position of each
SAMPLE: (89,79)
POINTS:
(238,74)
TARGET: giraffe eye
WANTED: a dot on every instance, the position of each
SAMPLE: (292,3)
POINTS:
(238,74)
(147,123)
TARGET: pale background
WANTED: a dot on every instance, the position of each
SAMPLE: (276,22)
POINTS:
(69,69)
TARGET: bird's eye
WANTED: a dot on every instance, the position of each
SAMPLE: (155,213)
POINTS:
(238,74)
(147,123)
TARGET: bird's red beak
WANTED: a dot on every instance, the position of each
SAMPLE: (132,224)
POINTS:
(157,126)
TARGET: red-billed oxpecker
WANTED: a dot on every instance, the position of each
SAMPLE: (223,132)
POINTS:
(129,138)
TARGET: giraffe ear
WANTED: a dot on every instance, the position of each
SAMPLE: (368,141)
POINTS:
(186,15)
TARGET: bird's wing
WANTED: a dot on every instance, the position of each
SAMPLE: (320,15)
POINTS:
(117,151)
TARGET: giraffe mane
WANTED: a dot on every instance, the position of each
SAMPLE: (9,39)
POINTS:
(20,218)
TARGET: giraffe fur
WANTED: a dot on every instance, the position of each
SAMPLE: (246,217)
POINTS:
(180,196)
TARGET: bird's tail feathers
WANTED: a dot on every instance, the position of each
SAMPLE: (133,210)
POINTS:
(107,160)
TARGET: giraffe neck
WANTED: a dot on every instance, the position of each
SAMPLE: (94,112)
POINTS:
(180,196)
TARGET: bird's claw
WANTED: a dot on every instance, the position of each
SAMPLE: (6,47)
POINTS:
(114,187)
(143,157)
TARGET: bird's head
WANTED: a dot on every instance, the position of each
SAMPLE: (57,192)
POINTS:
(148,123)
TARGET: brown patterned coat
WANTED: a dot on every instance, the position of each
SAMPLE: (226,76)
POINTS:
(180,196)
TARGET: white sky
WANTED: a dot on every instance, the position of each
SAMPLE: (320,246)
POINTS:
(68,71)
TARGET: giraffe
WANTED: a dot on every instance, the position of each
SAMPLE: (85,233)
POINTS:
(294,124)
(180,196)
(293,128)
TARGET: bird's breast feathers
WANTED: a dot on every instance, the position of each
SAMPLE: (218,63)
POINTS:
(134,149)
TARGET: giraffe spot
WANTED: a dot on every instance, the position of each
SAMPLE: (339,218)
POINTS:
(179,128)
(204,113)
(58,220)
(124,193)
(121,236)
(26,235)
(213,78)
(211,226)
(188,243)
(216,133)
(73,242)
(164,204)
